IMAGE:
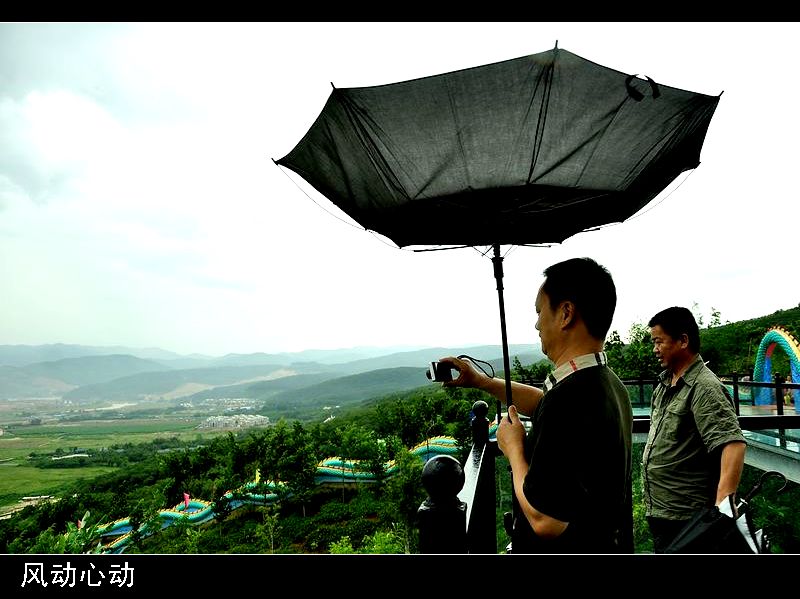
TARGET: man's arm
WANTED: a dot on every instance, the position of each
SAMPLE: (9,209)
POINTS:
(510,440)
(719,428)
(524,397)
(730,472)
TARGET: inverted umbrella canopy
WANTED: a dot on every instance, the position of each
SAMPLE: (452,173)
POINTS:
(525,151)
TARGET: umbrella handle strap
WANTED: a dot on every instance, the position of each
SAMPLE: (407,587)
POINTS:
(636,94)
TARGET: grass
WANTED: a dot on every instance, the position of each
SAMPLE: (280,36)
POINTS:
(18,479)
(46,438)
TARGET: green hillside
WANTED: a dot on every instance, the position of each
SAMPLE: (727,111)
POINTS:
(160,383)
(263,389)
(90,370)
(130,377)
(22,355)
(732,347)
(421,358)
(60,376)
(343,391)
(16,383)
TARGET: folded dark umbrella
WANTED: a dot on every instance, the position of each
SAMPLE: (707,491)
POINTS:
(711,531)
(731,530)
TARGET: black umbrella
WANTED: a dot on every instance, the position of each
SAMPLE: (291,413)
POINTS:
(523,152)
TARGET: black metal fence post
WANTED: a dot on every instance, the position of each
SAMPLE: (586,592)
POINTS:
(442,517)
(735,383)
(641,392)
(480,423)
(779,381)
(481,526)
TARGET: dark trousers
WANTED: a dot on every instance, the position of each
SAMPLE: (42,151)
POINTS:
(663,531)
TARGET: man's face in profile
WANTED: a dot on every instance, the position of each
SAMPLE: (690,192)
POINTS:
(546,321)
(665,347)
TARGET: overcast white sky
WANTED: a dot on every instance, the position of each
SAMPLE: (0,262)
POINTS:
(139,204)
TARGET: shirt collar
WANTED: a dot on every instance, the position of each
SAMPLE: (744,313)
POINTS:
(689,375)
(574,365)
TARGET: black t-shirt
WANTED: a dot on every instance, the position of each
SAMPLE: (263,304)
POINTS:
(579,451)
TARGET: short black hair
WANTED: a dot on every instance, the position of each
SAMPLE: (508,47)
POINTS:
(589,286)
(676,321)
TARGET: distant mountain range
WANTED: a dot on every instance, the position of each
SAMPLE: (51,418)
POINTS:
(23,355)
(89,373)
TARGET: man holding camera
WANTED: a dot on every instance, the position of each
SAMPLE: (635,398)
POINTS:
(572,472)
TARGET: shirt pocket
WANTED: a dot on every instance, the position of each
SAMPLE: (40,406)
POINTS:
(678,420)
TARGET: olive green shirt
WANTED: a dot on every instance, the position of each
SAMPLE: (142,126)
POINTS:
(689,425)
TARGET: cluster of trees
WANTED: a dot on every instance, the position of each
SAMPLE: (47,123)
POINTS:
(117,456)
(307,518)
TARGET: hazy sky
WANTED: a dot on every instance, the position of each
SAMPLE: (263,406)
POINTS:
(139,204)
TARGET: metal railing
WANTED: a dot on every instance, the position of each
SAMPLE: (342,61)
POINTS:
(459,515)
(765,412)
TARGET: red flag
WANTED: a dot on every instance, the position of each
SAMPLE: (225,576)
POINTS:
(186,501)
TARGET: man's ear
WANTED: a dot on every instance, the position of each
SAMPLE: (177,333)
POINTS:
(684,340)
(567,312)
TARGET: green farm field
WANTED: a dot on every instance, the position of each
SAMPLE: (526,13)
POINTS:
(19,479)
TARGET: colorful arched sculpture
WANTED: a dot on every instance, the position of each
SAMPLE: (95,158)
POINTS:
(762,371)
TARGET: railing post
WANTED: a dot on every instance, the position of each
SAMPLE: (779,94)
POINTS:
(653,385)
(442,517)
(480,423)
(641,391)
(735,383)
(482,527)
(779,380)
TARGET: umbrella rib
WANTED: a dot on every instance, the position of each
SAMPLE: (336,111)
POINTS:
(522,129)
(353,112)
(598,138)
(600,135)
(443,248)
(320,206)
(643,212)
(460,144)
(538,138)
(696,115)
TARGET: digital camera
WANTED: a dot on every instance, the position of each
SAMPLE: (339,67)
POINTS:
(440,372)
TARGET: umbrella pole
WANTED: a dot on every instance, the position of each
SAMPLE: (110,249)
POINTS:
(497,260)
